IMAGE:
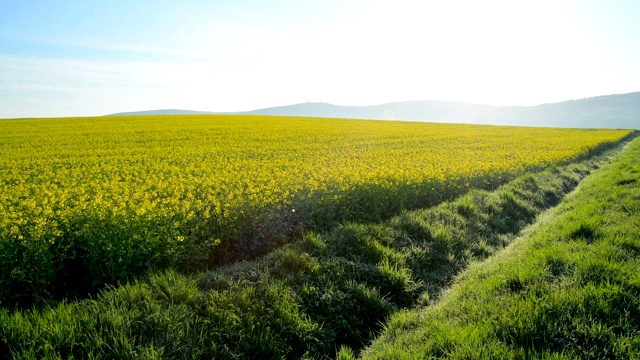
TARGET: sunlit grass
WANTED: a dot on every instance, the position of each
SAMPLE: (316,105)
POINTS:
(569,289)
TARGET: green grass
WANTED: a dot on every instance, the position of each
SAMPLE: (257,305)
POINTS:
(568,289)
(328,294)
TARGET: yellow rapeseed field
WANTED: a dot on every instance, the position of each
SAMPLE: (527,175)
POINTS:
(133,189)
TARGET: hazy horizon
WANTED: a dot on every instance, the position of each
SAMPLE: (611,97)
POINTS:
(91,58)
(206,111)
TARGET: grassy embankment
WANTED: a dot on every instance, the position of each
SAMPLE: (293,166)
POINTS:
(568,289)
(310,298)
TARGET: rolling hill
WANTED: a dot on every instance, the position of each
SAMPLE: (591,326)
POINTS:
(161,112)
(609,111)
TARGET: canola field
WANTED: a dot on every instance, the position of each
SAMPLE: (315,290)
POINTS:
(91,201)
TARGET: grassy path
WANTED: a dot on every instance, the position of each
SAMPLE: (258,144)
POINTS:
(568,289)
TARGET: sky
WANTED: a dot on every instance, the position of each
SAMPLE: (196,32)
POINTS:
(86,58)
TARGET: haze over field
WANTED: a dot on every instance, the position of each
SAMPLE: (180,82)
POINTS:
(70,58)
(612,111)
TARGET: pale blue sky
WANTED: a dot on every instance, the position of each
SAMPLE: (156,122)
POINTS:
(73,58)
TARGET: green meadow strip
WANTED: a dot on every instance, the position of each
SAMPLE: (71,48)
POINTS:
(568,289)
(330,292)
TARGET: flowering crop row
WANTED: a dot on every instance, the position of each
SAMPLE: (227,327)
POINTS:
(105,198)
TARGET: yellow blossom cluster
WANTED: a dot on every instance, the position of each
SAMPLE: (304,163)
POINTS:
(164,176)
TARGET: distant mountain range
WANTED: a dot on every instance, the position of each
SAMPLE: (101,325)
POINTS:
(161,112)
(610,111)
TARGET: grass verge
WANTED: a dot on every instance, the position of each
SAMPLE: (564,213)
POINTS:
(568,289)
(329,292)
